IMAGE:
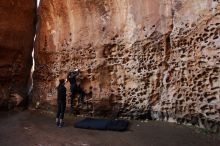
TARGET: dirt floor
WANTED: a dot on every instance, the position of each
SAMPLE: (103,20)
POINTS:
(34,129)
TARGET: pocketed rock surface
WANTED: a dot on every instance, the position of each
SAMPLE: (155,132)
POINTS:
(133,56)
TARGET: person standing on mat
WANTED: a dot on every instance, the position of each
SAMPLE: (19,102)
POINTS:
(61,102)
(71,77)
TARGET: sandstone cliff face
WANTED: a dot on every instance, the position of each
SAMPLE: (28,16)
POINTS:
(192,80)
(134,56)
(17,27)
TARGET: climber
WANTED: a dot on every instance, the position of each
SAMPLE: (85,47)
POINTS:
(61,102)
(71,77)
(81,94)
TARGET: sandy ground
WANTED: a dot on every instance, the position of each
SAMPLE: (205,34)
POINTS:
(33,129)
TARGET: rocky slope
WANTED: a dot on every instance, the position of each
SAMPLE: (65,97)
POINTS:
(17,27)
(134,56)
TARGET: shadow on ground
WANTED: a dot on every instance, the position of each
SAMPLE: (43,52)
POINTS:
(34,129)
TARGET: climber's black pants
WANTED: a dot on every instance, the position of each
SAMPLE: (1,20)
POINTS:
(61,109)
(81,95)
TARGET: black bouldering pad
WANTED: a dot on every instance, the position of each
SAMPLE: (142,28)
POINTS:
(102,124)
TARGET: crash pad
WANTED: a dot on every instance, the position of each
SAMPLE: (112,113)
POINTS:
(102,124)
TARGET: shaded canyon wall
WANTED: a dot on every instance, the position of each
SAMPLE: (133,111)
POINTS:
(17,30)
(133,56)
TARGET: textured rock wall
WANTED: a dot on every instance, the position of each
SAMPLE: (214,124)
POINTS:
(192,80)
(161,55)
(17,29)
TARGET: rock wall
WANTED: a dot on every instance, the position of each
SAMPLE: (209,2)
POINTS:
(192,80)
(133,56)
(17,27)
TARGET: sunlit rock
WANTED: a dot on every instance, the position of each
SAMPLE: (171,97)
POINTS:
(134,57)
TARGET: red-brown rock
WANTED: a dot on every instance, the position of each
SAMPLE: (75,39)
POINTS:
(17,30)
(133,55)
